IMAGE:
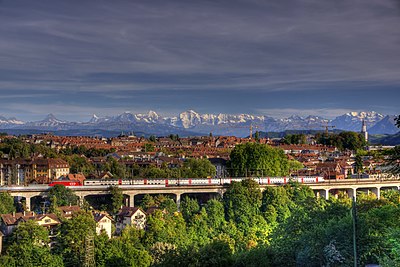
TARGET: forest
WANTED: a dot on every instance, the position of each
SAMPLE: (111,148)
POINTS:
(280,226)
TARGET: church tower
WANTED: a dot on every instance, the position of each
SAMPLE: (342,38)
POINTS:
(364,130)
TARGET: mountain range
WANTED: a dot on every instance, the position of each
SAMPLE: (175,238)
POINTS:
(193,123)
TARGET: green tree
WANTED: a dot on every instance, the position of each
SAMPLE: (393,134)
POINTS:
(295,139)
(62,196)
(79,164)
(189,207)
(258,159)
(242,202)
(343,141)
(216,254)
(30,248)
(116,168)
(6,203)
(148,147)
(198,168)
(71,240)
(257,136)
(117,198)
(215,214)
(358,164)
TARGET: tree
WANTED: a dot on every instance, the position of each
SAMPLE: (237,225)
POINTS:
(73,233)
(148,147)
(358,164)
(343,141)
(258,159)
(257,136)
(30,248)
(117,198)
(62,196)
(198,168)
(215,214)
(189,207)
(79,164)
(295,139)
(6,203)
(116,168)
(218,253)
(242,202)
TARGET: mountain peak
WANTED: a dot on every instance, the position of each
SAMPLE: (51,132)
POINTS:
(51,118)
(152,114)
(94,119)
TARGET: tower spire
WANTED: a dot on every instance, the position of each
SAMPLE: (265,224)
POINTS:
(364,130)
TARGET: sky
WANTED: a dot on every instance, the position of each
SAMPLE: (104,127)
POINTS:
(277,58)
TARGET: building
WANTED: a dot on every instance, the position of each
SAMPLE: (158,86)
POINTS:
(10,221)
(364,130)
(68,211)
(103,223)
(46,170)
(130,216)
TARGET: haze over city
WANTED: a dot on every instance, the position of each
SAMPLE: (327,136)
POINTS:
(74,58)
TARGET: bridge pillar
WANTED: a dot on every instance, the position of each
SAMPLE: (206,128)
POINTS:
(178,200)
(352,192)
(28,203)
(323,193)
(131,200)
(377,192)
(81,200)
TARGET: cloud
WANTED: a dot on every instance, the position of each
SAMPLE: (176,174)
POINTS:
(126,47)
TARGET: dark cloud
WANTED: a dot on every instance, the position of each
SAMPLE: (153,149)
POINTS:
(214,56)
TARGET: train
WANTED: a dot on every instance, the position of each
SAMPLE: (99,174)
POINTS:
(168,182)
(66,183)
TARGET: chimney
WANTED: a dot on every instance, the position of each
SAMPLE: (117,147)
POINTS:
(13,213)
(24,213)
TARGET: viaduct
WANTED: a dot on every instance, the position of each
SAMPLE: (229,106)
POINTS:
(326,189)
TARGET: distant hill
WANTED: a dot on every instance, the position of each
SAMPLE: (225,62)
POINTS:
(389,140)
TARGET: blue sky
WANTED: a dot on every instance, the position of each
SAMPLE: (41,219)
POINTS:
(278,58)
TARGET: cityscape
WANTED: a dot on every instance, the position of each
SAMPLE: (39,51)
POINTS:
(211,133)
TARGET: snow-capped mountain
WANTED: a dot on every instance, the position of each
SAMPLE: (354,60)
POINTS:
(7,122)
(352,121)
(192,122)
(385,126)
(191,119)
(49,121)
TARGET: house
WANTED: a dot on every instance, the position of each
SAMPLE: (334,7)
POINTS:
(68,211)
(10,221)
(103,222)
(105,175)
(103,219)
(46,170)
(331,170)
(130,216)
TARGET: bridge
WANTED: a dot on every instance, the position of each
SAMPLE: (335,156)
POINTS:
(325,189)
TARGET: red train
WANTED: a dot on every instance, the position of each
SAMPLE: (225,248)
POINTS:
(66,183)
